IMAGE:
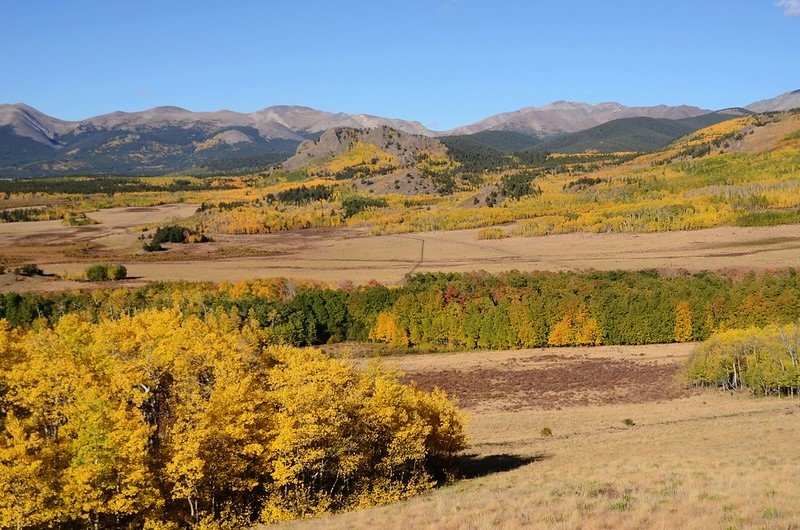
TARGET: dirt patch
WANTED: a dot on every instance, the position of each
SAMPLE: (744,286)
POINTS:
(558,382)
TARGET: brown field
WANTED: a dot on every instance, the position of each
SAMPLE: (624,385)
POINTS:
(337,255)
(693,459)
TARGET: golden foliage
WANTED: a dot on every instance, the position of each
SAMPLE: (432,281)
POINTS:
(576,330)
(160,419)
(359,153)
(683,322)
(765,360)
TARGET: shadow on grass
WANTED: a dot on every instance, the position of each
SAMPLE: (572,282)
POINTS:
(474,466)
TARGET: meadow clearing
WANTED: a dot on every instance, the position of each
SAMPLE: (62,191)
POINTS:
(356,255)
(623,451)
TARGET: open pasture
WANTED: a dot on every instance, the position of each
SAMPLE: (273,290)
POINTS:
(685,459)
(353,254)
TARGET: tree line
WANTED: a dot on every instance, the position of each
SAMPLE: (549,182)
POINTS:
(450,311)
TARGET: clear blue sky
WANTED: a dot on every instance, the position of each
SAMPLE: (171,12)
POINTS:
(443,62)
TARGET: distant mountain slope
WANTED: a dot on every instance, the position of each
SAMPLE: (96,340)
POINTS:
(29,123)
(565,117)
(171,139)
(705,120)
(164,139)
(502,141)
(640,134)
(787,101)
(627,134)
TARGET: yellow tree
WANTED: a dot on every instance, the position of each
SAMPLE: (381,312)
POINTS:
(683,322)
(562,333)
(29,486)
(108,479)
(590,333)
(521,322)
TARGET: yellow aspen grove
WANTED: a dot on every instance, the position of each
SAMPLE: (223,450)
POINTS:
(169,421)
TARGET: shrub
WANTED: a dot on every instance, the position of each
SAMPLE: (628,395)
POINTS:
(173,234)
(152,247)
(546,432)
(170,234)
(29,269)
(769,218)
(356,204)
(116,272)
(99,273)
(628,422)
(78,219)
(492,233)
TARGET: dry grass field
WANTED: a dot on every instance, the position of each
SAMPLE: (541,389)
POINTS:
(686,459)
(336,255)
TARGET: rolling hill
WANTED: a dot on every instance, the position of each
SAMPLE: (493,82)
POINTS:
(633,134)
(379,159)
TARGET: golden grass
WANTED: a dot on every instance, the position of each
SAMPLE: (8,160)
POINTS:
(347,254)
(359,153)
(710,460)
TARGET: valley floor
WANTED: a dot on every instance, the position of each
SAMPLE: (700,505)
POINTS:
(691,459)
(337,255)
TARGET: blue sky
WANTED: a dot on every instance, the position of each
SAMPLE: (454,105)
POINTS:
(445,63)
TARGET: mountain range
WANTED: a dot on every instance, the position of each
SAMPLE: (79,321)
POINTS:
(171,139)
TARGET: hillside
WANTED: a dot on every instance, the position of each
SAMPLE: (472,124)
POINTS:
(502,141)
(787,101)
(167,139)
(164,140)
(640,134)
(566,116)
(380,159)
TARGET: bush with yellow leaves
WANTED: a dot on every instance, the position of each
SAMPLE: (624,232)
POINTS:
(160,420)
(764,360)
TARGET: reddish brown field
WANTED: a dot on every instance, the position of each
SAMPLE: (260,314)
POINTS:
(554,382)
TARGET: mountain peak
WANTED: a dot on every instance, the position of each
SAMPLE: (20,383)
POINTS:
(571,116)
(168,108)
(787,101)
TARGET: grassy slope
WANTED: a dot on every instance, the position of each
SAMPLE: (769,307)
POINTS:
(710,460)
(660,191)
